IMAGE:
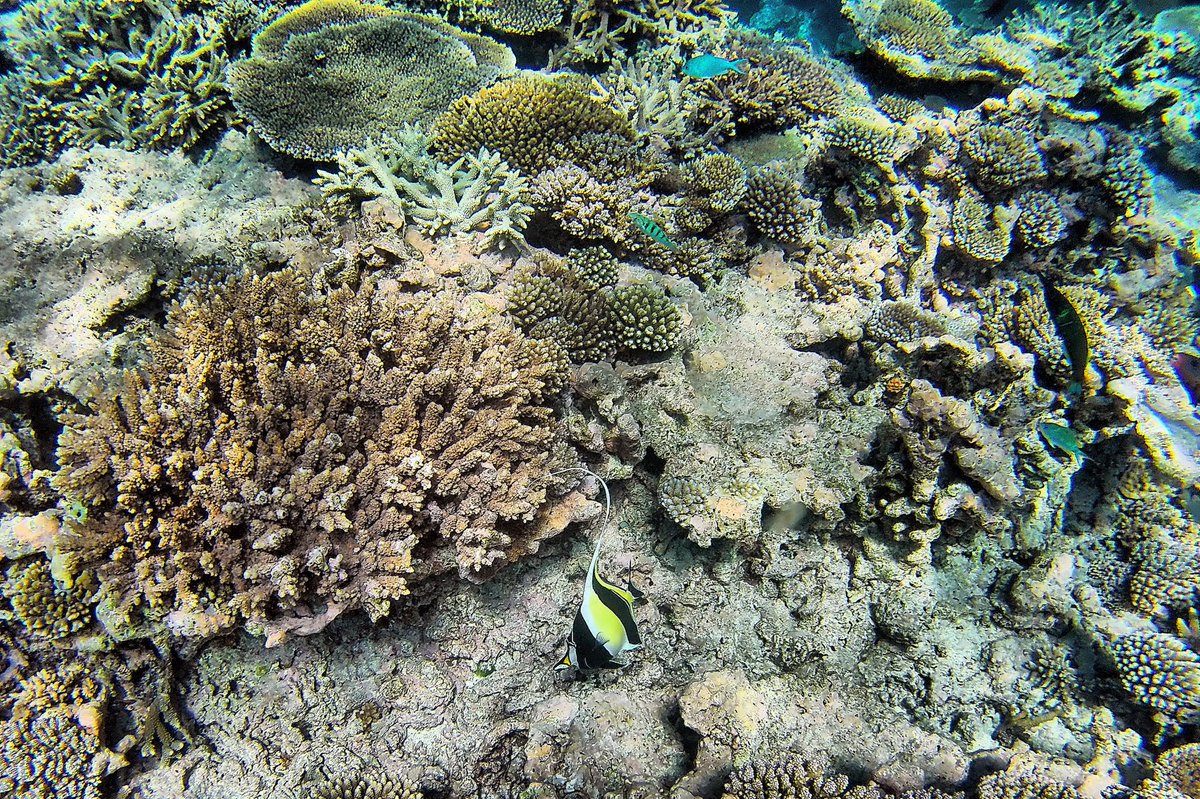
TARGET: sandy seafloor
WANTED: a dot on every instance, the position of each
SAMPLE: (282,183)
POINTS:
(887,650)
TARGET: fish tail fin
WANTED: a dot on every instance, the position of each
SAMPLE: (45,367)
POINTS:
(740,65)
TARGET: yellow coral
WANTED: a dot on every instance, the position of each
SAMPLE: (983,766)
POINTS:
(525,118)
(311,17)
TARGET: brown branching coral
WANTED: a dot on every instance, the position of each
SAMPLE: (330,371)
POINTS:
(363,787)
(778,207)
(527,118)
(314,91)
(1003,157)
(287,448)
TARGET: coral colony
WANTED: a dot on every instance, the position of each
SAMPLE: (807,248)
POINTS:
(328,327)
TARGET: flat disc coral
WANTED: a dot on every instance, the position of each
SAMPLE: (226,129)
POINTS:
(290,453)
(317,93)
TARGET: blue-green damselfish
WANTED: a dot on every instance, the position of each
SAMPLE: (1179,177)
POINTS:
(604,627)
(708,65)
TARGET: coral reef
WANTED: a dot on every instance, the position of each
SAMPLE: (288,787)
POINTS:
(287,509)
(123,72)
(317,90)
(1162,672)
(476,194)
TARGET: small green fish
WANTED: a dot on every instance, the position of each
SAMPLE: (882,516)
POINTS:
(708,65)
(1070,329)
(1062,438)
(653,230)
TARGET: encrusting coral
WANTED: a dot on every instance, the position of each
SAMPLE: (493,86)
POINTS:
(315,88)
(287,448)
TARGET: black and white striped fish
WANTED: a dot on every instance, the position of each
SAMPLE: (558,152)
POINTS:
(604,627)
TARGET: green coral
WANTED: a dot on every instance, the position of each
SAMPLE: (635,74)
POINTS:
(478,193)
(318,93)
(136,73)
(592,323)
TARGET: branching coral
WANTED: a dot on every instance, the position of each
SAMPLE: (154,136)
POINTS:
(515,16)
(777,205)
(1003,157)
(315,91)
(787,86)
(593,322)
(1167,576)
(1160,671)
(287,448)
(127,72)
(477,193)
(50,747)
(362,787)
(527,118)
(42,605)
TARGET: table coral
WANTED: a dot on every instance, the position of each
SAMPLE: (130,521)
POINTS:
(515,16)
(287,448)
(317,93)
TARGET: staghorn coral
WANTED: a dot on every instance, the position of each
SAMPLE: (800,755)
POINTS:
(126,72)
(317,93)
(1160,671)
(338,448)
(595,266)
(363,787)
(527,119)
(42,604)
(478,193)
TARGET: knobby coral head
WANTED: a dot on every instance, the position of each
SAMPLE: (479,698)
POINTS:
(288,452)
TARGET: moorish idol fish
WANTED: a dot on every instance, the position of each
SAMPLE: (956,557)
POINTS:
(653,230)
(604,627)
(708,65)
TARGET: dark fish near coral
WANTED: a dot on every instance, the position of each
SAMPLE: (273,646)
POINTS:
(1061,438)
(653,230)
(708,65)
(1187,366)
(604,627)
(1070,329)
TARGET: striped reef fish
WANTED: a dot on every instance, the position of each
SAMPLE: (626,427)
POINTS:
(604,627)
(653,230)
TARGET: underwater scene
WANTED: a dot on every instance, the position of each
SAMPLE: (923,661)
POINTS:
(599,399)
